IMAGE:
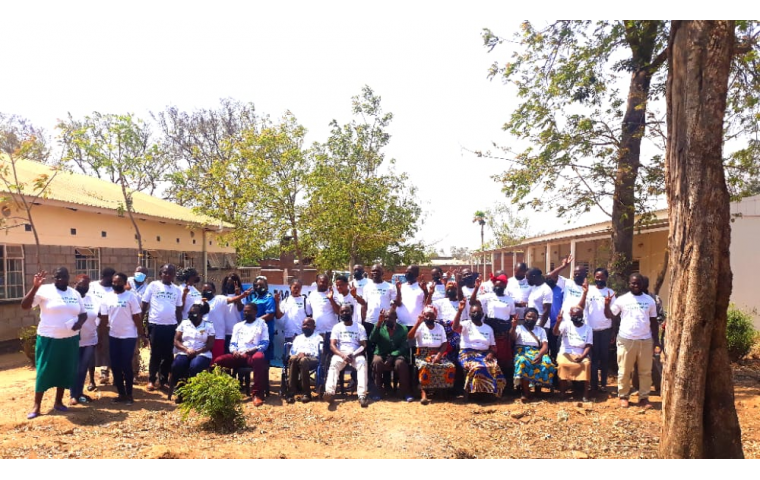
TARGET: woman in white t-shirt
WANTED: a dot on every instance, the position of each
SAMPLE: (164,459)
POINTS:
(435,370)
(218,310)
(88,339)
(62,315)
(532,364)
(194,342)
(573,360)
(477,352)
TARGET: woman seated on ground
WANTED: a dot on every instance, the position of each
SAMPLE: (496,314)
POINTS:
(532,364)
(435,370)
(477,352)
(193,341)
(573,360)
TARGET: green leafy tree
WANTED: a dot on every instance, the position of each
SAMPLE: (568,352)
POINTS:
(361,210)
(21,141)
(117,148)
(507,227)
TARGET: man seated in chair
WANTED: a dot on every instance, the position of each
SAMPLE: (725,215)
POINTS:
(250,340)
(304,357)
(391,353)
(347,341)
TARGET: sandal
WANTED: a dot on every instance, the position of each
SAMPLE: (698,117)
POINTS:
(61,408)
(32,415)
(425,401)
(91,387)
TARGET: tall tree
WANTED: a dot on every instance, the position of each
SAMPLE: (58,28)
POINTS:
(118,148)
(21,141)
(373,212)
(507,227)
(698,396)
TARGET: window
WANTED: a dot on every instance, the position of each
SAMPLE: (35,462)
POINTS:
(88,262)
(229,261)
(214,261)
(12,272)
(186,260)
(103,234)
(150,259)
(27,228)
(635,266)
(247,274)
(73,231)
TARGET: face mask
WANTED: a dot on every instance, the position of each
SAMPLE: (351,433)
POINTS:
(345,317)
(477,316)
(429,323)
(436,278)
(140,277)
(118,288)
(82,291)
(529,324)
(600,283)
(307,331)
(499,291)
(469,282)
(579,279)
(390,324)
(411,278)
(577,321)
(531,282)
(451,294)
(193,317)
(250,318)
(208,295)
(359,274)
(262,290)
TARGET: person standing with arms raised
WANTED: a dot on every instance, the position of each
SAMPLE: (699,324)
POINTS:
(410,297)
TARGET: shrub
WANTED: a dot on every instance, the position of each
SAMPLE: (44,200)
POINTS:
(216,396)
(28,337)
(740,333)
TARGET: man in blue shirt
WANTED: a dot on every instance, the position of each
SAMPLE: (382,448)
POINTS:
(265,309)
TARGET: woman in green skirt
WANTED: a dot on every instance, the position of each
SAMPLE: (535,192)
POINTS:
(62,315)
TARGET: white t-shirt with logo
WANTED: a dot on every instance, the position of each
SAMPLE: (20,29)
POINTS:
(635,312)
(523,336)
(139,291)
(539,295)
(502,307)
(307,345)
(447,310)
(192,295)
(293,314)
(195,337)
(349,337)
(246,336)
(163,300)
(59,311)
(439,291)
(595,307)
(89,332)
(378,297)
(119,308)
(428,338)
(99,291)
(231,316)
(349,299)
(575,339)
(478,337)
(412,301)
(571,295)
(217,314)
(319,307)
(519,290)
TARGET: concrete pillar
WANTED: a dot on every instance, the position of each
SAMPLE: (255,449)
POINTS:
(572,252)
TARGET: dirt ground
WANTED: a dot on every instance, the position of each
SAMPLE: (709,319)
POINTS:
(447,428)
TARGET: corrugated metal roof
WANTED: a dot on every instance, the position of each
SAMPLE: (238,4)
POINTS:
(79,189)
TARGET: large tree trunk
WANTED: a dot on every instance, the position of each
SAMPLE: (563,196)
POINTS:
(641,37)
(698,396)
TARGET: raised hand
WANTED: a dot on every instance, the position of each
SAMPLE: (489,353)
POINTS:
(478,282)
(398,284)
(352,290)
(39,278)
(462,304)
(585,285)
(277,297)
(608,298)
(330,293)
(567,261)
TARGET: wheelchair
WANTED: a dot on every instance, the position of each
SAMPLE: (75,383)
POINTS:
(318,374)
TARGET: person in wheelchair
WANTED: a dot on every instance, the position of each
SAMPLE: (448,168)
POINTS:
(436,371)
(304,357)
(348,340)
(391,353)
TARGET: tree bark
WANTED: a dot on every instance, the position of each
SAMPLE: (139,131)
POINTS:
(698,396)
(641,37)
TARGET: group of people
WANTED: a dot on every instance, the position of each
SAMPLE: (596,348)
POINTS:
(459,333)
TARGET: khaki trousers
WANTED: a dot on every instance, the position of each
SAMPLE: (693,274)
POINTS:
(630,353)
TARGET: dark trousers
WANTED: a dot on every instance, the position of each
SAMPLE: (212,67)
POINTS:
(257,362)
(183,367)
(86,356)
(121,351)
(161,352)
(300,367)
(227,340)
(553,342)
(400,366)
(600,357)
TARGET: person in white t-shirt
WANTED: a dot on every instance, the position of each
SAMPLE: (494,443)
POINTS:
(573,363)
(189,278)
(304,357)
(638,337)
(601,325)
(102,357)
(322,307)
(376,296)
(218,309)
(194,342)
(162,302)
(137,285)
(477,352)
(343,295)
(532,362)
(88,339)
(410,297)
(434,369)
(62,315)
(347,342)
(291,312)
(357,285)
(540,297)
(231,287)
(499,308)
(120,316)
(519,289)
(437,286)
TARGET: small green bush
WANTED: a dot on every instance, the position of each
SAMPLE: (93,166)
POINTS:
(28,337)
(216,396)
(740,333)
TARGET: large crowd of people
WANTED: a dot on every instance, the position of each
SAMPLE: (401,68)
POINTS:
(455,333)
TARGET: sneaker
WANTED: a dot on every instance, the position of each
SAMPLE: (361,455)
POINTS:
(290,399)
(602,389)
(644,403)
(257,401)
(409,398)
(327,397)
(306,399)
(376,397)
(130,401)
(364,401)
(119,399)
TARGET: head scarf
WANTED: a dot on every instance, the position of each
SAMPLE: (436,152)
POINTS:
(430,308)
(502,277)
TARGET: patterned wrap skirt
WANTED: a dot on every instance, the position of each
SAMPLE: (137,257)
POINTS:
(541,373)
(481,375)
(434,376)
(453,338)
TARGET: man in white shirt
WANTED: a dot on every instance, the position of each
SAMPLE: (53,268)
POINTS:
(102,354)
(410,297)
(376,296)
(291,312)
(540,297)
(436,287)
(304,357)
(597,320)
(162,302)
(637,338)
(519,289)
(347,341)
(322,307)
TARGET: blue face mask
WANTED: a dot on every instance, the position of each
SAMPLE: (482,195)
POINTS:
(140,276)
